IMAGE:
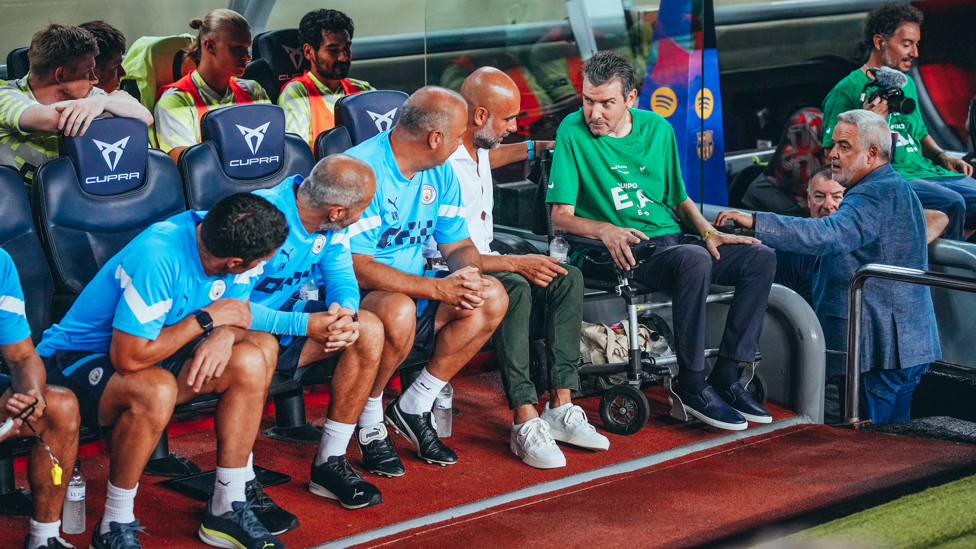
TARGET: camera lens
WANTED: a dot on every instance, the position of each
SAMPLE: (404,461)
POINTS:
(900,103)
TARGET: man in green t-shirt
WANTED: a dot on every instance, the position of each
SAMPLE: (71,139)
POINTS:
(615,177)
(941,182)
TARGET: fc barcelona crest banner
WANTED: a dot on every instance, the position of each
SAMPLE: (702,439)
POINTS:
(675,89)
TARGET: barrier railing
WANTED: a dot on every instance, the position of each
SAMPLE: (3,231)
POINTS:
(855,307)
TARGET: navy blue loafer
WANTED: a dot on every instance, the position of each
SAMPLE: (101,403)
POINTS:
(741,401)
(711,409)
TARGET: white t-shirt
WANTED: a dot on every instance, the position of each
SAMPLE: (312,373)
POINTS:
(477,194)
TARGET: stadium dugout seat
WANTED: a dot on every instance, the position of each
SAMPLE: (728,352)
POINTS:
(242,148)
(18,238)
(359,117)
(17,64)
(277,58)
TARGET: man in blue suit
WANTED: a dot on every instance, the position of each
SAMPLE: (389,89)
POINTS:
(899,332)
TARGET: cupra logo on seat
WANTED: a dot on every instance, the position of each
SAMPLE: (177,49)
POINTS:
(383,121)
(109,148)
(254,137)
(295,54)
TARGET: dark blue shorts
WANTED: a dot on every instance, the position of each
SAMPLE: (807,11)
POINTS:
(87,374)
(290,347)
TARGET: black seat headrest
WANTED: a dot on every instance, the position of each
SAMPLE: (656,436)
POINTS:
(250,139)
(17,63)
(332,141)
(111,157)
(369,113)
(282,49)
(261,72)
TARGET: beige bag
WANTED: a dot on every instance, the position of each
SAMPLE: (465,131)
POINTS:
(601,344)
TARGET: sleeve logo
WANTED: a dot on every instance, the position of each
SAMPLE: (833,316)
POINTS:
(428,194)
(217,290)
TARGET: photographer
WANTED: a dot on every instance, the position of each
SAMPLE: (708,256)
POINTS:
(892,33)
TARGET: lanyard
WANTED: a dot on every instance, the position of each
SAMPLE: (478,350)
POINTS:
(28,411)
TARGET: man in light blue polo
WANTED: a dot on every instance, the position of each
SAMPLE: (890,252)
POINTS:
(900,336)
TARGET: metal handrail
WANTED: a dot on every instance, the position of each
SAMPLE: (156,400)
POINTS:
(855,306)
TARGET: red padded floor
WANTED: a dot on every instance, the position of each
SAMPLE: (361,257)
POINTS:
(486,468)
(702,497)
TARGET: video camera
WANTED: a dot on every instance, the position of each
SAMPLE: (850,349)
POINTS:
(887,84)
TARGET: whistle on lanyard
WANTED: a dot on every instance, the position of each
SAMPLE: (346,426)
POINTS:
(27,412)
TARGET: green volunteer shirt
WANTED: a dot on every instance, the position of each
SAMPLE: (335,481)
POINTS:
(908,160)
(631,181)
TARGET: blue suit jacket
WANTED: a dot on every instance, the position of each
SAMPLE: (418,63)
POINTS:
(879,221)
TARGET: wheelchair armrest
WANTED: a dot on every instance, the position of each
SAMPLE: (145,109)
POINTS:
(733,228)
(642,252)
(583,242)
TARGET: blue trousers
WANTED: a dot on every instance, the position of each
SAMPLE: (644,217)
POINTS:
(887,394)
(954,196)
(796,272)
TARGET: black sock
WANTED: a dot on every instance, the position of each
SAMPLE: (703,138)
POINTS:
(724,374)
(692,382)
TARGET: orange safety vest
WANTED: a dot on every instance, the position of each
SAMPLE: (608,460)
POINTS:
(185,84)
(322,117)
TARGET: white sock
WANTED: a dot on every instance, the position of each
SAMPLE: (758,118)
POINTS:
(250,468)
(118,506)
(372,413)
(40,532)
(419,397)
(335,440)
(228,488)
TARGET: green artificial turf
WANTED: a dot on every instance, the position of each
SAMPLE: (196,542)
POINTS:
(943,517)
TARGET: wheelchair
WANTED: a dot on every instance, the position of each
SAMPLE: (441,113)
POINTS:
(624,409)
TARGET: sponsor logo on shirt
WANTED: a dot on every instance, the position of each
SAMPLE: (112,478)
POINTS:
(428,194)
(319,244)
(217,290)
(416,232)
(271,284)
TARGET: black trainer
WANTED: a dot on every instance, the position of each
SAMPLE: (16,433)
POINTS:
(238,528)
(741,401)
(56,542)
(379,455)
(336,479)
(274,518)
(421,433)
(119,536)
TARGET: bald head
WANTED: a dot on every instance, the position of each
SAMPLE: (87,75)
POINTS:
(339,189)
(431,109)
(493,103)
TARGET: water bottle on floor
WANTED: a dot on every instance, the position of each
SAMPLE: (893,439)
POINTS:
(444,411)
(73,518)
(558,248)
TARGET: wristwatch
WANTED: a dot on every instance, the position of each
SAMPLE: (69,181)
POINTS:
(530,148)
(205,321)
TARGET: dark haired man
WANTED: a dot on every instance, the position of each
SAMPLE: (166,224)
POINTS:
(164,321)
(942,182)
(54,415)
(111,48)
(418,198)
(309,100)
(58,94)
(319,209)
(615,177)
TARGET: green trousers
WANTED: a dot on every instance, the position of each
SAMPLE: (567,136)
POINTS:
(562,302)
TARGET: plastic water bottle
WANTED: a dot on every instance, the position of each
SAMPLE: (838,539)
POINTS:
(73,517)
(309,290)
(558,248)
(444,411)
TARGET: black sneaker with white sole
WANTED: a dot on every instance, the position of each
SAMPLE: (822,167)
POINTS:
(238,528)
(52,543)
(379,455)
(274,518)
(119,536)
(336,479)
(421,433)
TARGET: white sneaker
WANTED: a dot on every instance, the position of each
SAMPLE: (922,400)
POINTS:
(533,443)
(568,424)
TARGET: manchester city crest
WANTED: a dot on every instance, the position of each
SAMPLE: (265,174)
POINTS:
(319,244)
(217,290)
(428,194)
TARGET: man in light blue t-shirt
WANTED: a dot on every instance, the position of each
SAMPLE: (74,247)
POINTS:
(162,322)
(24,396)
(418,197)
(329,328)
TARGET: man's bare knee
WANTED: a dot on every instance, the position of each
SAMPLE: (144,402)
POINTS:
(248,366)
(149,394)
(61,414)
(371,330)
(497,304)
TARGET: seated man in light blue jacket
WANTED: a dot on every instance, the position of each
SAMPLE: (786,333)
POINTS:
(879,221)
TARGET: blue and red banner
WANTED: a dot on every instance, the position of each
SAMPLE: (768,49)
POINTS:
(674,83)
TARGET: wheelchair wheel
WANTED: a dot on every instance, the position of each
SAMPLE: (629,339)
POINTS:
(757,388)
(624,410)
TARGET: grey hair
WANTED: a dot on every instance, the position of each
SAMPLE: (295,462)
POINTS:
(326,186)
(871,130)
(420,118)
